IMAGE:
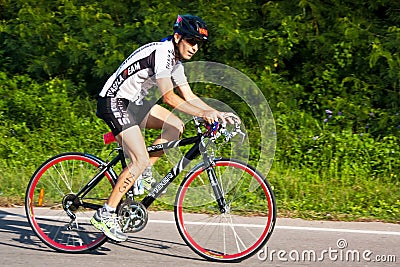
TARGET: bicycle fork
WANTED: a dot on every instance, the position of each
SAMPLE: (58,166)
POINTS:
(215,185)
(219,194)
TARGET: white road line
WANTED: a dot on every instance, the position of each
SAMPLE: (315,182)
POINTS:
(339,230)
(298,228)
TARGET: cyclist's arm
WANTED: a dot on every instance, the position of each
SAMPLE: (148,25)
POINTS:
(193,99)
(175,101)
(187,94)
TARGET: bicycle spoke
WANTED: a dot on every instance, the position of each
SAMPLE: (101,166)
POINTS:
(63,175)
(54,184)
(237,238)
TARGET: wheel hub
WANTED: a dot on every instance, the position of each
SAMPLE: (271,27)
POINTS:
(71,202)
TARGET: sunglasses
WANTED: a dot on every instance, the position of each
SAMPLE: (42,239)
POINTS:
(194,41)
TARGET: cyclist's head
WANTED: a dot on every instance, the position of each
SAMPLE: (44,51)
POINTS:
(190,32)
(189,26)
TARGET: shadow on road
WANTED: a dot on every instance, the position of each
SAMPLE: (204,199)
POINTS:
(159,247)
(18,226)
(21,236)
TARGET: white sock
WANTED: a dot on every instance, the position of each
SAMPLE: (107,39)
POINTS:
(108,208)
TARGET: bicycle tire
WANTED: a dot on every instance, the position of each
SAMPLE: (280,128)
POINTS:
(56,178)
(237,234)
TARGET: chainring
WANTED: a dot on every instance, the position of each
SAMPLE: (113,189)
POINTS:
(133,216)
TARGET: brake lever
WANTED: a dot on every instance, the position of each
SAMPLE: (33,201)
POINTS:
(225,132)
(242,134)
(229,135)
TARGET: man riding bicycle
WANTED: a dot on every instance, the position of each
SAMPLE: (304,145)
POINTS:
(123,106)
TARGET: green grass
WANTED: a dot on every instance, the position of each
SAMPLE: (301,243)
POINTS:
(305,194)
(299,193)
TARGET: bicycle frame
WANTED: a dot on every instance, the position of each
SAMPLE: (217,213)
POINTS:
(177,169)
(197,149)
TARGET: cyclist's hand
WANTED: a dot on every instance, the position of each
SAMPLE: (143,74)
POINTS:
(232,118)
(211,116)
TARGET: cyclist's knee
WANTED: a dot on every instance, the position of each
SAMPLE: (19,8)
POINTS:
(143,162)
(176,127)
(180,127)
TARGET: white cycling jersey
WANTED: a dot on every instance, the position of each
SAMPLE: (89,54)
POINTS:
(138,73)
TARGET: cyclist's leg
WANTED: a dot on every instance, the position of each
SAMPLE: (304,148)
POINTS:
(122,117)
(161,118)
(105,219)
(134,145)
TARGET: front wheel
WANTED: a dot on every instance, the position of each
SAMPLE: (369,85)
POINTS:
(52,187)
(243,228)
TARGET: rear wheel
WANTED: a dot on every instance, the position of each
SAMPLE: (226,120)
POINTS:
(52,189)
(242,229)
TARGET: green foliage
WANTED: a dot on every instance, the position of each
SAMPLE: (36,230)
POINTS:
(329,69)
(39,120)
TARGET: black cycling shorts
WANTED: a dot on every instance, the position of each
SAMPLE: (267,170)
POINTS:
(120,113)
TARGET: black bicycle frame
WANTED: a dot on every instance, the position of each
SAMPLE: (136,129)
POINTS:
(197,149)
(177,169)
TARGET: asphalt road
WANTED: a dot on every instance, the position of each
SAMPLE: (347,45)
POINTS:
(294,242)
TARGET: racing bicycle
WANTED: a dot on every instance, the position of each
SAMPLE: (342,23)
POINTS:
(224,208)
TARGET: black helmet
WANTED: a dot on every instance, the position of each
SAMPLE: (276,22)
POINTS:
(190,26)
